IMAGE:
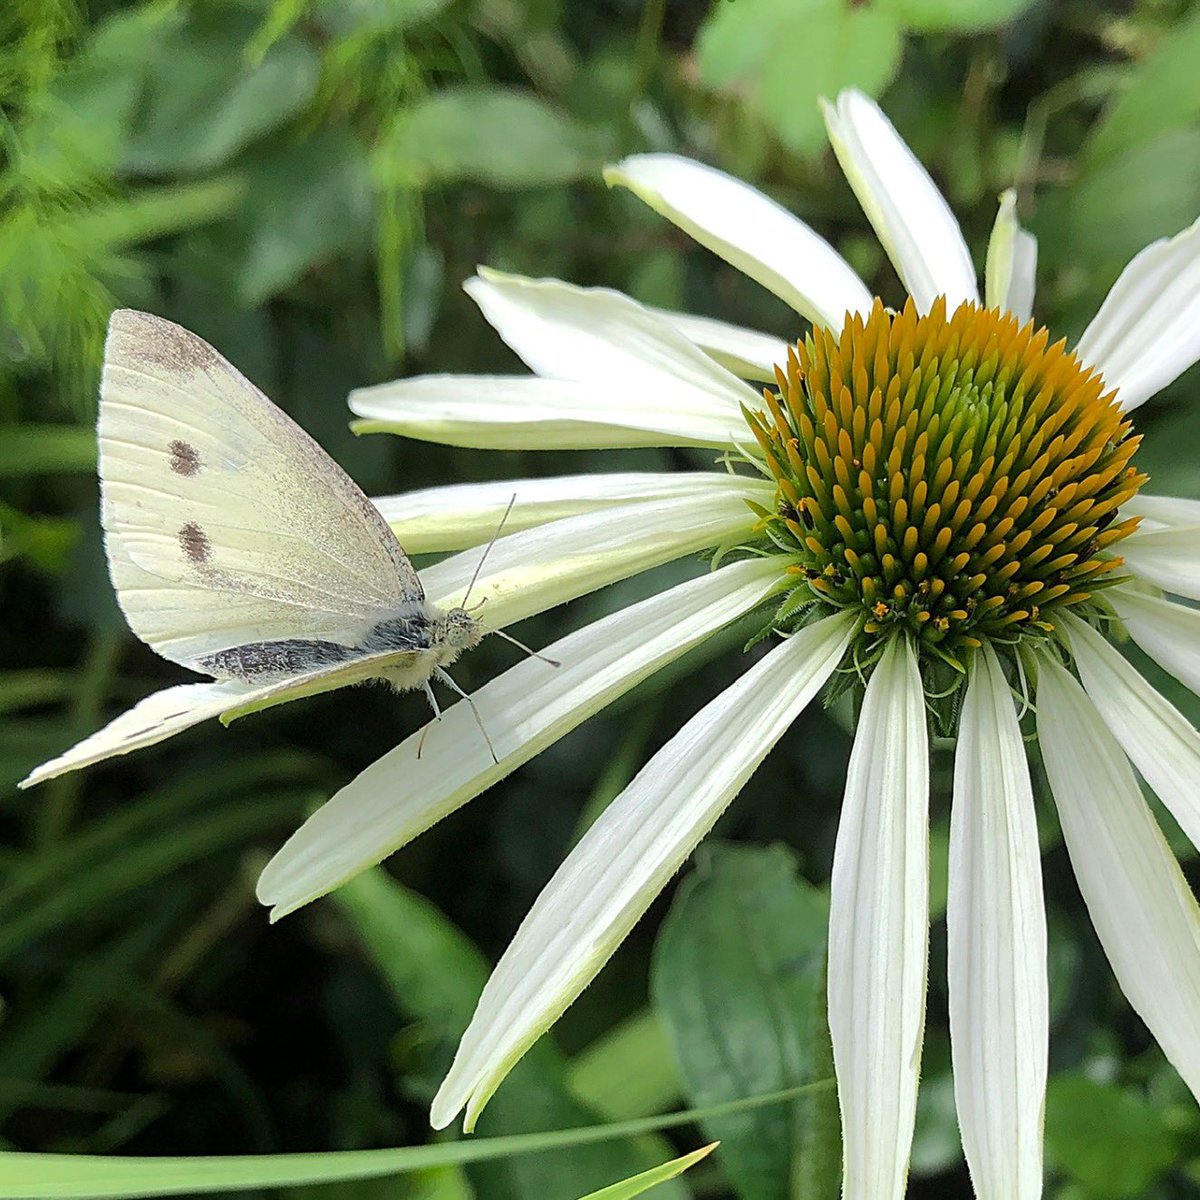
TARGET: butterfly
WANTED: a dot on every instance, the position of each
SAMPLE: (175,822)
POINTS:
(239,549)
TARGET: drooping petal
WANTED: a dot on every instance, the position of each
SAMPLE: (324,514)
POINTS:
(1147,332)
(912,220)
(623,861)
(1168,557)
(520,412)
(468,514)
(878,930)
(601,337)
(996,952)
(750,231)
(1152,731)
(151,720)
(1169,633)
(1140,904)
(524,710)
(163,714)
(1011,268)
(745,352)
(531,571)
(1159,511)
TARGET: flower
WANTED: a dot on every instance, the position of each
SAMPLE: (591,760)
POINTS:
(945,512)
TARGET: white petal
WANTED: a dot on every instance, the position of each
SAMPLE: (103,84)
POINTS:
(603,338)
(1140,904)
(519,412)
(467,514)
(914,223)
(524,710)
(749,355)
(622,862)
(1169,633)
(878,930)
(1159,511)
(163,714)
(1168,557)
(158,716)
(1011,266)
(750,231)
(529,572)
(996,951)
(1151,730)
(1147,332)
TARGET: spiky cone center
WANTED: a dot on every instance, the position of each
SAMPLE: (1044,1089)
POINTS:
(957,478)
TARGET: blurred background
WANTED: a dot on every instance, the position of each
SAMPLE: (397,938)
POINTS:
(305,183)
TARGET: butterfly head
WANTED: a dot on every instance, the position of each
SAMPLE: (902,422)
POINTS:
(457,631)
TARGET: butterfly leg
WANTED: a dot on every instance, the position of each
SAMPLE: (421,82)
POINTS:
(446,678)
(437,716)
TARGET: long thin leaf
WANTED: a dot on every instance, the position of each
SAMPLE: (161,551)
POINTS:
(90,1177)
(628,1188)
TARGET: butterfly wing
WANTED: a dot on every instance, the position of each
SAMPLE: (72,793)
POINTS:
(225,522)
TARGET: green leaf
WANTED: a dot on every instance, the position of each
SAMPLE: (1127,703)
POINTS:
(738,979)
(204,100)
(491,135)
(1163,94)
(434,971)
(348,17)
(1106,1137)
(46,449)
(628,1188)
(628,1071)
(436,974)
(92,1177)
(1113,210)
(306,204)
(781,56)
(928,16)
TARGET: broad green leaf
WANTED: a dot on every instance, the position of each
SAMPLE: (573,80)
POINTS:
(628,1071)
(436,974)
(490,135)
(95,1177)
(927,16)
(781,56)
(628,1188)
(204,100)
(1163,93)
(1106,1137)
(738,979)
(305,205)
(1115,211)
(432,969)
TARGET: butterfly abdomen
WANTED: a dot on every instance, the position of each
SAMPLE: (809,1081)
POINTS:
(263,662)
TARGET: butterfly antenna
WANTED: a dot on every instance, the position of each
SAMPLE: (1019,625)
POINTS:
(448,680)
(508,637)
(488,549)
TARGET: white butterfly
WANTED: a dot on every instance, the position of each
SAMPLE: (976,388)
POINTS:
(240,549)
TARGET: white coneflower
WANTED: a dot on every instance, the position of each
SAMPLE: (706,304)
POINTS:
(946,514)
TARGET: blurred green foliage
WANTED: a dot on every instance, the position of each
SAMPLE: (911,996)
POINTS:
(305,183)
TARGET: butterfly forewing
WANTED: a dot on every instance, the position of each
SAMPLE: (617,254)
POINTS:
(226,523)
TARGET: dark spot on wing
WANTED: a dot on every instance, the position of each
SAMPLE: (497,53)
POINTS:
(194,542)
(185,458)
